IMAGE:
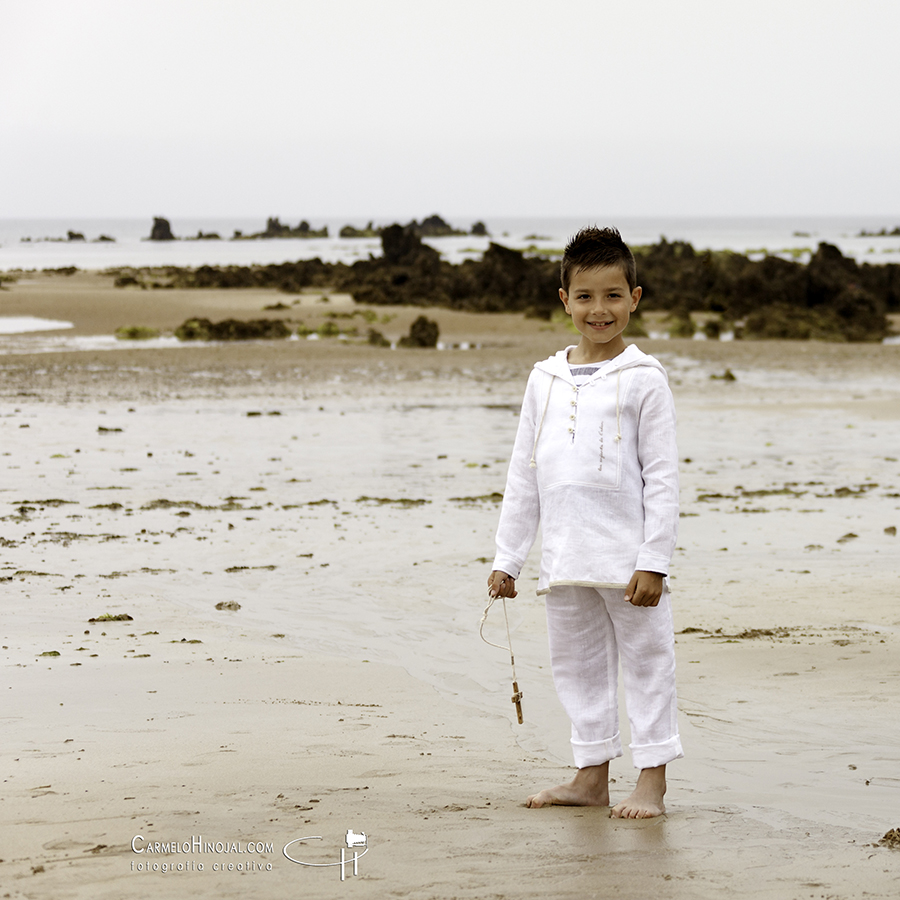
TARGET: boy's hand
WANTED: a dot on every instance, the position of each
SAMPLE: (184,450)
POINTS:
(501,585)
(644,589)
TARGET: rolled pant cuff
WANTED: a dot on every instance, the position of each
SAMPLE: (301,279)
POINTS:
(649,756)
(596,753)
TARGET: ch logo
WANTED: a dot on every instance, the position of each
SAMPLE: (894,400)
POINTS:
(353,841)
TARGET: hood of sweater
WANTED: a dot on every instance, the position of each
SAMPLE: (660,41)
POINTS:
(558,364)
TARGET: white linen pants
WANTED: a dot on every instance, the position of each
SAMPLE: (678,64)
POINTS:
(589,629)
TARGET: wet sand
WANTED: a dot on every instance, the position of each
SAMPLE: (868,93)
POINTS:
(342,497)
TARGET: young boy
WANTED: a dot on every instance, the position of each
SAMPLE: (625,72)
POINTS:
(595,464)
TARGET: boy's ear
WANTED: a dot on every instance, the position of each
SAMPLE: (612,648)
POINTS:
(636,297)
(565,300)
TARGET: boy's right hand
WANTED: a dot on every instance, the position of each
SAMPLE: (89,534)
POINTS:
(501,585)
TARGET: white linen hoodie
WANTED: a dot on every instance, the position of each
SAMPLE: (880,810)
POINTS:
(596,467)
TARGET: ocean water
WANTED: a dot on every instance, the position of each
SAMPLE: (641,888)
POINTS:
(794,237)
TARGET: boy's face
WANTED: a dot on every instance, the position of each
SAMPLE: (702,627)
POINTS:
(600,304)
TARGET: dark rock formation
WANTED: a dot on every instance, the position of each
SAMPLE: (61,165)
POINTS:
(370,231)
(401,247)
(781,321)
(232,330)
(828,273)
(275,228)
(288,277)
(408,272)
(882,233)
(74,236)
(831,298)
(377,339)
(479,229)
(422,333)
(712,329)
(161,230)
(506,275)
(433,226)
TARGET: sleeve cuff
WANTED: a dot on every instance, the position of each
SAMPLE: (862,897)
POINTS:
(505,564)
(652,562)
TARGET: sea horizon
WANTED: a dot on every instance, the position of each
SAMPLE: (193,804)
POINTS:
(41,242)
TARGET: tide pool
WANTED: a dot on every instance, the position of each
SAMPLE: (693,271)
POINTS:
(23,324)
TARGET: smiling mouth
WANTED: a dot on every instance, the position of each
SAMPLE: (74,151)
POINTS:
(599,324)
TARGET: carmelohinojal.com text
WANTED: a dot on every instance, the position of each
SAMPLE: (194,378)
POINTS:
(197,845)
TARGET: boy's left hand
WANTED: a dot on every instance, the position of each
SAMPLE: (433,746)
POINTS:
(644,589)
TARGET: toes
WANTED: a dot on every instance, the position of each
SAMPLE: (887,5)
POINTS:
(536,801)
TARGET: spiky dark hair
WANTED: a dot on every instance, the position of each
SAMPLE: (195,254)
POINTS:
(594,248)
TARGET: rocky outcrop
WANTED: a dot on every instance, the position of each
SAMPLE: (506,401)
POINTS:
(303,230)
(370,231)
(275,228)
(895,232)
(232,330)
(401,246)
(407,272)
(504,273)
(433,226)
(161,230)
(422,333)
(831,298)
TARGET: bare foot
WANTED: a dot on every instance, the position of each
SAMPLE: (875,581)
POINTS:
(589,787)
(646,800)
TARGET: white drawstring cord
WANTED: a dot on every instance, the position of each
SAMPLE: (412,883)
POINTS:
(517,694)
(537,437)
(618,410)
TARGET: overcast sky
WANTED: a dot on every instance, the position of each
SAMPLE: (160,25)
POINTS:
(464,107)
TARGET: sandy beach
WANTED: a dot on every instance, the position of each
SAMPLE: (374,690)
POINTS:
(300,533)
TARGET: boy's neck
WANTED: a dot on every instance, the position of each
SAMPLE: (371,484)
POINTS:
(594,353)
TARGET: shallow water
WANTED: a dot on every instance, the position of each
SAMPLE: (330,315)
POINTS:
(27,324)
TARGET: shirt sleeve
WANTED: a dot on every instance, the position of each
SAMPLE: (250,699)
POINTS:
(658,457)
(520,514)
